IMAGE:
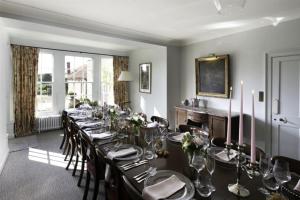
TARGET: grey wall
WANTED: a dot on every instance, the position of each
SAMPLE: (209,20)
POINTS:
(173,67)
(247,56)
(5,84)
(156,102)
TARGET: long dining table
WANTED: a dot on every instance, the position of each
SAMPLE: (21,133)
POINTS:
(177,161)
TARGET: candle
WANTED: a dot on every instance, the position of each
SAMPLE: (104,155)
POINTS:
(253,143)
(228,141)
(241,126)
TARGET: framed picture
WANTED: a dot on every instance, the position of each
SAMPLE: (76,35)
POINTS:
(212,76)
(145,77)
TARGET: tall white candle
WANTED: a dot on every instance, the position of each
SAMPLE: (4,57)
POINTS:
(241,125)
(228,141)
(253,143)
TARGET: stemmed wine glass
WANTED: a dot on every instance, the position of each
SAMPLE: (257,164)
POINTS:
(210,164)
(148,137)
(198,163)
(281,172)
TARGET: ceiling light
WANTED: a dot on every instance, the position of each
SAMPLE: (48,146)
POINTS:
(274,20)
(228,6)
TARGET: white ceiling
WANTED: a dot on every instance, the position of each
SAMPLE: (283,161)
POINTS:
(177,21)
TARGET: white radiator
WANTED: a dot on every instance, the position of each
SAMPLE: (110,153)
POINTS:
(48,123)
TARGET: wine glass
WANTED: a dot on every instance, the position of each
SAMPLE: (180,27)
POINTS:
(198,163)
(210,164)
(281,172)
(148,137)
(268,180)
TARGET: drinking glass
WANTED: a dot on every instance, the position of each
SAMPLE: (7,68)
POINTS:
(268,180)
(198,163)
(210,163)
(281,172)
(148,137)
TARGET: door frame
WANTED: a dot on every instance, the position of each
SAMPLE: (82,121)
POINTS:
(268,101)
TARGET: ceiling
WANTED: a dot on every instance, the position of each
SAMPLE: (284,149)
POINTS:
(160,21)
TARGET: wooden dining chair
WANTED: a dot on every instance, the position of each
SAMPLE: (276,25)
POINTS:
(293,164)
(131,190)
(187,128)
(161,121)
(94,166)
(73,143)
(64,126)
(193,123)
(68,129)
(218,142)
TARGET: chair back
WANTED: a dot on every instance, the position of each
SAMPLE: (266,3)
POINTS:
(194,123)
(131,190)
(218,142)
(293,163)
(161,121)
(187,128)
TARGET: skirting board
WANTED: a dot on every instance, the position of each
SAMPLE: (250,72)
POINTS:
(3,159)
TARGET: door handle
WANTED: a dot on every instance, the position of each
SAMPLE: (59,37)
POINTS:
(283,120)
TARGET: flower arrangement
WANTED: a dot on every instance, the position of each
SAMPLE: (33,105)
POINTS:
(137,120)
(190,142)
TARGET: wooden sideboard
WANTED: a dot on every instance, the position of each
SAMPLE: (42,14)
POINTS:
(216,120)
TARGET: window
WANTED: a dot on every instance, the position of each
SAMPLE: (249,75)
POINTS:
(44,99)
(78,80)
(107,80)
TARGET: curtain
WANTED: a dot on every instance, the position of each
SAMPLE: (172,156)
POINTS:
(120,87)
(25,66)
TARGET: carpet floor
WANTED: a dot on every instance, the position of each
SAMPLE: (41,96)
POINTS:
(36,171)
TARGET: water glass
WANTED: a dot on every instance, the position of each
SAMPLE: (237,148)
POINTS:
(198,163)
(148,137)
(281,172)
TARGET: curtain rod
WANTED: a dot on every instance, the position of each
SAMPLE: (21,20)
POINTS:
(101,54)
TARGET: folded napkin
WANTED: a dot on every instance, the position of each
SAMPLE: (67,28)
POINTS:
(224,155)
(152,124)
(297,187)
(88,125)
(178,137)
(163,189)
(124,152)
(78,117)
(102,136)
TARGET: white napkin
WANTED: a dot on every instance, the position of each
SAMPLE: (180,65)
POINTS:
(78,117)
(87,125)
(224,155)
(124,152)
(297,187)
(152,124)
(178,137)
(163,189)
(104,135)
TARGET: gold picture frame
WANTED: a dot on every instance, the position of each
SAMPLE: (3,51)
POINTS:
(212,76)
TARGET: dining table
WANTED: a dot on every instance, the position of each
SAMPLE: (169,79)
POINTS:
(177,160)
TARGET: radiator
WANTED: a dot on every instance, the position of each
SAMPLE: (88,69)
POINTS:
(48,123)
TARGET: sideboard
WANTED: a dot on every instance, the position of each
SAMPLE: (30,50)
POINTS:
(214,119)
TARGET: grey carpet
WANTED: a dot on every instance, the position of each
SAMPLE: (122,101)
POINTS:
(18,144)
(38,172)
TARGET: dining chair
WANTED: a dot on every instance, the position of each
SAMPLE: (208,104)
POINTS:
(193,123)
(73,143)
(131,190)
(94,166)
(218,142)
(64,126)
(293,163)
(67,146)
(161,121)
(187,128)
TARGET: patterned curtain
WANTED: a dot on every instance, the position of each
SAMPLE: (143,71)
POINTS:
(25,65)
(120,87)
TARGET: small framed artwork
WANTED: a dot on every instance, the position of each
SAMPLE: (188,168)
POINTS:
(145,77)
(212,76)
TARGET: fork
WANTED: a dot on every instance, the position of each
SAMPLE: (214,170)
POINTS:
(151,173)
(141,175)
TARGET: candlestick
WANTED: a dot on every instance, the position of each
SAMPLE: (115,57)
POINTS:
(241,126)
(228,140)
(253,143)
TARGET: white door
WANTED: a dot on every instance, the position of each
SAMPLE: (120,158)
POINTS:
(286,106)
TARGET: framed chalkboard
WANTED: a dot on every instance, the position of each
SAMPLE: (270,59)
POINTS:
(212,76)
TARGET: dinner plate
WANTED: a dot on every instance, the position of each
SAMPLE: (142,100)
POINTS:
(171,135)
(288,188)
(222,162)
(138,154)
(185,193)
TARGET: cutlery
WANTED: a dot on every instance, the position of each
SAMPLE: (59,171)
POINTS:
(137,160)
(151,173)
(142,174)
(134,165)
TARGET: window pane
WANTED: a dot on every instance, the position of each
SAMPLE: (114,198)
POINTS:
(89,69)
(107,83)
(69,68)
(79,69)
(44,97)
(45,66)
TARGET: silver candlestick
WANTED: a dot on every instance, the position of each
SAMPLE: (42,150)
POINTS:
(237,188)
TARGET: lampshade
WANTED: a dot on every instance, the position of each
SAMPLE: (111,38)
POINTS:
(229,6)
(125,76)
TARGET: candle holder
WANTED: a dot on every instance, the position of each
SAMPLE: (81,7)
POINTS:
(237,188)
(252,169)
